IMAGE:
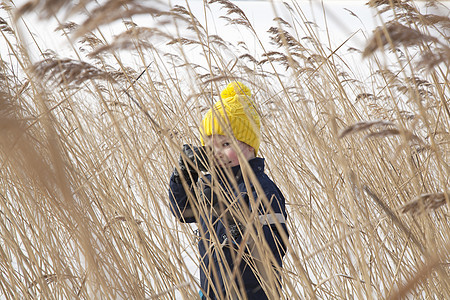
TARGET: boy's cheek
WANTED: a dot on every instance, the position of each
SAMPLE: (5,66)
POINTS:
(231,156)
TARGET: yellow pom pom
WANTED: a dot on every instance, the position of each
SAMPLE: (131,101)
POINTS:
(235,88)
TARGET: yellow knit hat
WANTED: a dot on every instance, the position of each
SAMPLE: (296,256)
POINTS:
(237,111)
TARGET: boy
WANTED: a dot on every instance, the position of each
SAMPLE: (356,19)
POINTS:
(240,211)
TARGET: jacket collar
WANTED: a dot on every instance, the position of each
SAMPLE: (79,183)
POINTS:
(256,164)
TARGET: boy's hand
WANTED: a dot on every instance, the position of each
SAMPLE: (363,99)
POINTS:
(192,159)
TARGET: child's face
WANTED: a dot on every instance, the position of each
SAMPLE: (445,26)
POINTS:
(225,153)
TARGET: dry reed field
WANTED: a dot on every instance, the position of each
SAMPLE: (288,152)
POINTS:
(88,142)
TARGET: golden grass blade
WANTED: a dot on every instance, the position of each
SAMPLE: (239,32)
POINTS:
(425,202)
(360,126)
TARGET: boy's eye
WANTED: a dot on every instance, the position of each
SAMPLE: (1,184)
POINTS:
(225,144)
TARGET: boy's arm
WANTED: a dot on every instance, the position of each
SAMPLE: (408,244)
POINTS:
(180,205)
(192,160)
(275,234)
(273,222)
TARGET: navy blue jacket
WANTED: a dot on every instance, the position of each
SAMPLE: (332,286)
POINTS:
(180,206)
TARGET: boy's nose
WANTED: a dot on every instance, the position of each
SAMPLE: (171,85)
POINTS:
(218,154)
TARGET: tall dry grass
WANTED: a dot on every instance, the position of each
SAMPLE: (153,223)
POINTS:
(88,143)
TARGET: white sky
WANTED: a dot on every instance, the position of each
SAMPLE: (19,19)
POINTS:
(340,22)
(332,17)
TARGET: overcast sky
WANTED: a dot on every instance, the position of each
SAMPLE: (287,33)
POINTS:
(336,22)
(340,21)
